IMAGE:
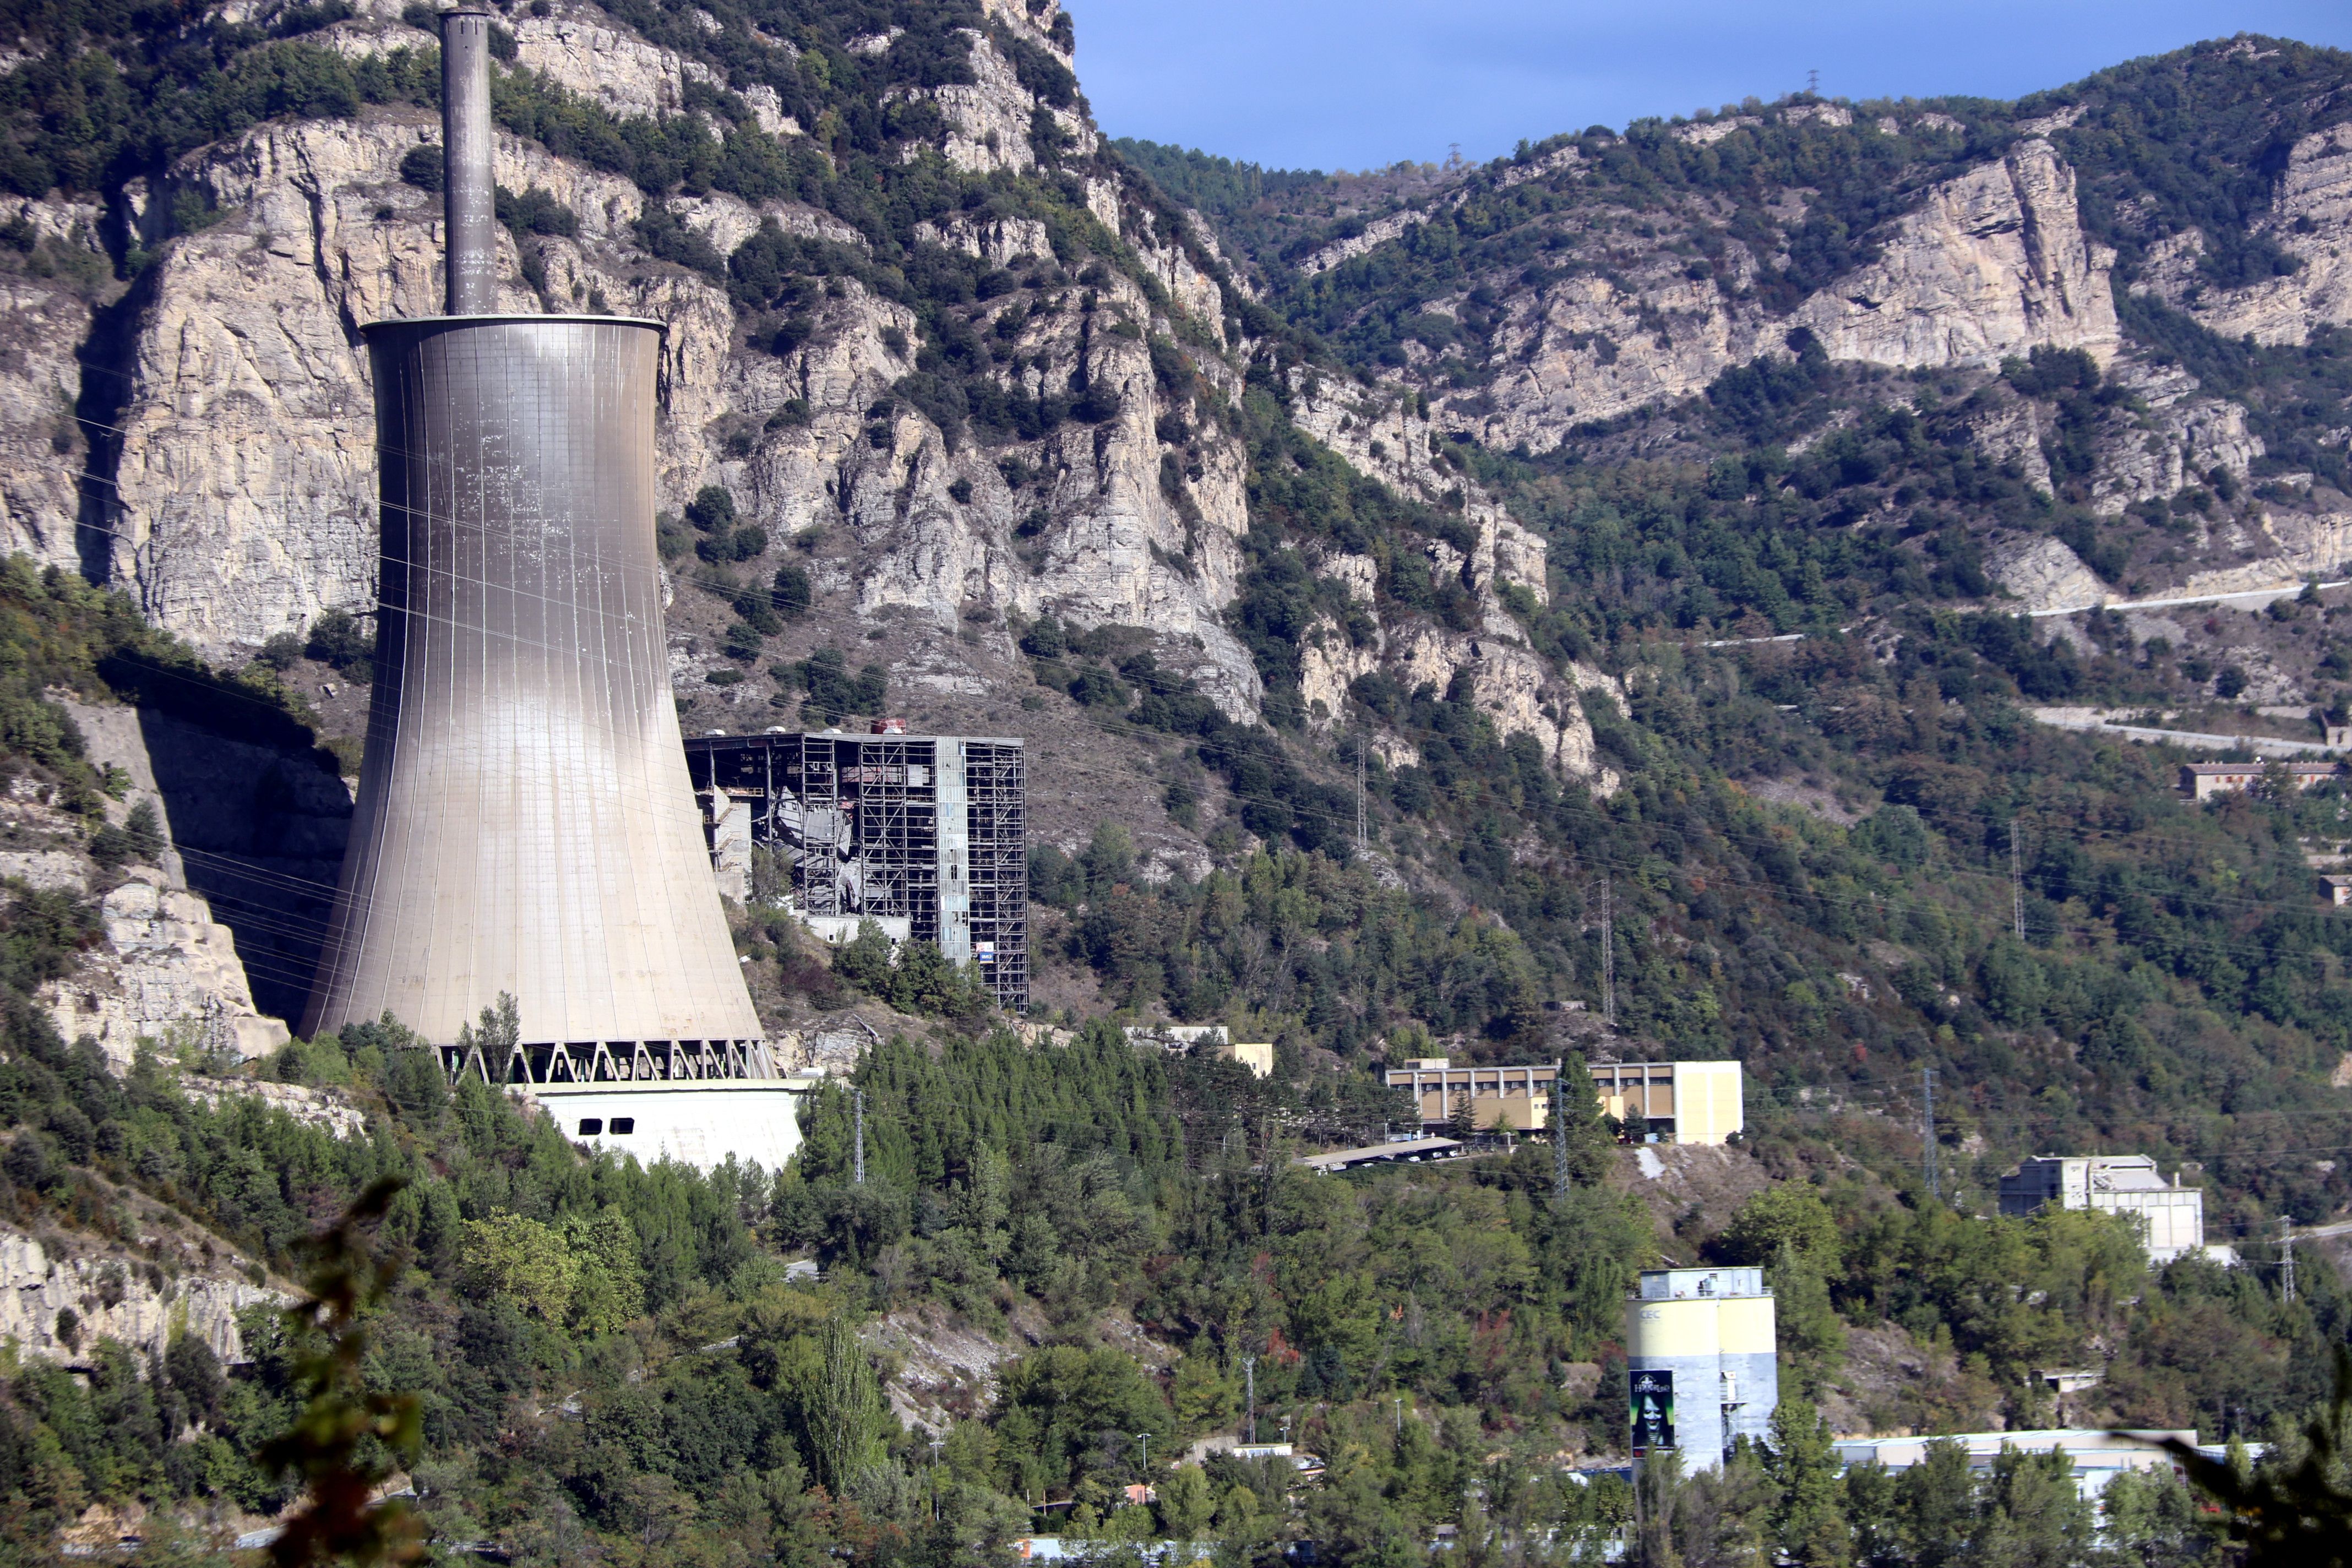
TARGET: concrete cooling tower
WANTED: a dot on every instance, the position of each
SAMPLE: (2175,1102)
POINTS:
(525,821)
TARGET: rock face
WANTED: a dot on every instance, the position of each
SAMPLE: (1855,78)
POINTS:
(168,975)
(628,76)
(1990,265)
(41,448)
(2044,575)
(245,485)
(2291,546)
(253,841)
(1994,264)
(2310,218)
(113,1296)
(328,1110)
(2180,441)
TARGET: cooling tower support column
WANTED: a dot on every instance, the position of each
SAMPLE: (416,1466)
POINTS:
(469,139)
(525,820)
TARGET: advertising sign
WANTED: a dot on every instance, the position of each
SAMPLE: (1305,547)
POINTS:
(1652,1400)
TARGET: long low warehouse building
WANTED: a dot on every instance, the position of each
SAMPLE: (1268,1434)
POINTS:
(1657,1103)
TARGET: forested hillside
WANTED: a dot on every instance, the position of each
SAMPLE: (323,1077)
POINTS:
(1649,517)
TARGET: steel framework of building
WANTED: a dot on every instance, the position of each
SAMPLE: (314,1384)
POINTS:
(927,829)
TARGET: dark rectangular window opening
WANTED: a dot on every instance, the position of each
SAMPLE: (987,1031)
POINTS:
(623,1125)
(591,1125)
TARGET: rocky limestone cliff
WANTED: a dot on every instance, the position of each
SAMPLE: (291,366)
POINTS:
(1990,265)
(2310,218)
(167,973)
(245,486)
(169,976)
(2043,574)
(41,447)
(245,480)
(2181,439)
(115,1295)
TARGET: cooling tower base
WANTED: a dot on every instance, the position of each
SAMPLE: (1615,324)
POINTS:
(615,1061)
(703,1125)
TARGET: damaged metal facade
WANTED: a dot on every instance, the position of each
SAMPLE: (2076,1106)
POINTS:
(924,835)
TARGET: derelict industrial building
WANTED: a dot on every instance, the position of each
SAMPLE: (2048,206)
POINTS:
(924,835)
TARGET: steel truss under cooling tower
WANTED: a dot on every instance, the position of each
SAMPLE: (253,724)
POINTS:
(612,1061)
(923,834)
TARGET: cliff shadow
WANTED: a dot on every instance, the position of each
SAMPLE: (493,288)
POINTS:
(260,821)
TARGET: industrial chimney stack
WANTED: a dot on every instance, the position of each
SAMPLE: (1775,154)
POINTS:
(469,148)
(525,821)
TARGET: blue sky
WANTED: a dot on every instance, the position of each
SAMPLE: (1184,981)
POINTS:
(1361,83)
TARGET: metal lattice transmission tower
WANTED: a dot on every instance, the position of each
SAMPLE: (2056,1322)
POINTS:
(1927,1134)
(1558,1120)
(2016,881)
(1363,836)
(1608,958)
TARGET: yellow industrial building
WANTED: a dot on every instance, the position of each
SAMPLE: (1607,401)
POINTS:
(1659,1102)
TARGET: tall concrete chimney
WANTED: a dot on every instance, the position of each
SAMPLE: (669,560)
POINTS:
(525,820)
(469,145)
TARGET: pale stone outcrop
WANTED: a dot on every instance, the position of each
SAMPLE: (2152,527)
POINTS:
(245,488)
(1000,240)
(1589,346)
(1991,264)
(42,450)
(2293,545)
(2010,431)
(1379,436)
(1518,691)
(988,118)
(2177,442)
(2310,218)
(1708,132)
(328,1109)
(167,974)
(114,1296)
(1995,263)
(605,64)
(2043,574)
(1378,232)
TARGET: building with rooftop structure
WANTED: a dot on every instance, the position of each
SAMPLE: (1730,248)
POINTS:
(1702,1359)
(2112,1184)
(1657,1103)
(2097,1457)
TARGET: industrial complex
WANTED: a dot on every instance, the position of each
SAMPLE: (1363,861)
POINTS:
(923,834)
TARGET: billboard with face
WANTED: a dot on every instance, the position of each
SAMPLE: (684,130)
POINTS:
(1651,1410)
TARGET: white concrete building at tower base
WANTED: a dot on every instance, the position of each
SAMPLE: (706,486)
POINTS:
(696,1123)
(2098,1456)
